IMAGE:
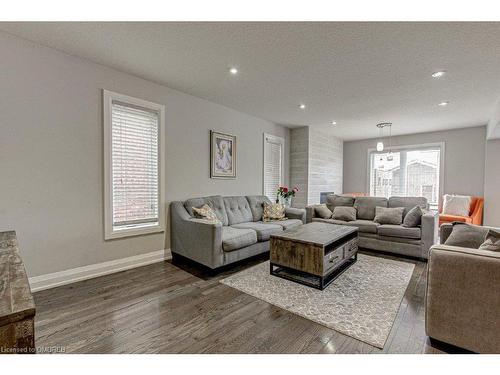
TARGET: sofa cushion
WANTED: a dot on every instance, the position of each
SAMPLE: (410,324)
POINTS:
(234,238)
(467,235)
(334,200)
(344,213)
(413,218)
(387,215)
(458,205)
(263,230)
(322,212)
(215,202)
(237,209)
(391,230)
(492,242)
(206,212)
(273,211)
(365,206)
(256,203)
(408,203)
(364,226)
(288,223)
(330,221)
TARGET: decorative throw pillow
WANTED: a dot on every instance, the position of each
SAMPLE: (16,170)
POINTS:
(492,242)
(466,235)
(344,213)
(389,215)
(323,212)
(206,212)
(457,205)
(273,211)
(413,218)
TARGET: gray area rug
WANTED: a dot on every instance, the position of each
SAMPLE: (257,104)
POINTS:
(361,303)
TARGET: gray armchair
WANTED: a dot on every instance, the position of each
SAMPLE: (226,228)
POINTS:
(462,302)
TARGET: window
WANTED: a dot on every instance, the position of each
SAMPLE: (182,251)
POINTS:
(133,149)
(407,171)
(273,164)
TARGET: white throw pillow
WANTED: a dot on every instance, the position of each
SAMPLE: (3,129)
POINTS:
(457,205)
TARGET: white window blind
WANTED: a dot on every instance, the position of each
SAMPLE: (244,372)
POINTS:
(273,165)
(407,171)
(134,153)
(134,165)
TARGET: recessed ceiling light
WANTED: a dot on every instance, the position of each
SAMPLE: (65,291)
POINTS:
(302,106)
(233,71)
(438,74)
(443,104)
(334,122)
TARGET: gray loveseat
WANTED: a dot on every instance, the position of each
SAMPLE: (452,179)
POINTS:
(414,242)
(240,235)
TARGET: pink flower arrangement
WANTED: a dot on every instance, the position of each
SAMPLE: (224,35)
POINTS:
(284,192)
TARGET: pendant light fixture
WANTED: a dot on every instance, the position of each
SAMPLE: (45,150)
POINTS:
(381,126)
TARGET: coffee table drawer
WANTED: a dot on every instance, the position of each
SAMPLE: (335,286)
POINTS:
(351,248)
(332,259)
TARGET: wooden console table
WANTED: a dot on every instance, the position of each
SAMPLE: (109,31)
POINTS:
(17,307)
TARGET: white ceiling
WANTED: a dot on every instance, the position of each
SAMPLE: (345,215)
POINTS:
(357,74)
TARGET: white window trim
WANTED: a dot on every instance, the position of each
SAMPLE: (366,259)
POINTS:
(275,139)
(109,231)
(440,145)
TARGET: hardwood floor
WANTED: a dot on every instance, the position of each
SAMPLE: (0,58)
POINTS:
(163,308)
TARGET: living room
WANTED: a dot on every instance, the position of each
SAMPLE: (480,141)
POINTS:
(249,187)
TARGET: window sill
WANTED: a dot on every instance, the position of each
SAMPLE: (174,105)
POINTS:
(134,230)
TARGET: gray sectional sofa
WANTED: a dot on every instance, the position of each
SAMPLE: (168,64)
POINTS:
(239,235)
(398,239)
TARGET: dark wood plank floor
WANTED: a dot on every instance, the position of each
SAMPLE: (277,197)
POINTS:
(163,308)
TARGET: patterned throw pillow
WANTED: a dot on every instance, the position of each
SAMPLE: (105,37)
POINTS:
(206,212)
(273,211)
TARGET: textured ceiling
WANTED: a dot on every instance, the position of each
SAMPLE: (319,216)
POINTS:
(357,74)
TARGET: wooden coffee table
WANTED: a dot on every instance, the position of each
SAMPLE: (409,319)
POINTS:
(314,254)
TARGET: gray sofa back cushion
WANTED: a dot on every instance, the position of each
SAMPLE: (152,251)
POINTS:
(334,200)
(256,203)
(365,206)
(408,203)
(215,202)
(238,210)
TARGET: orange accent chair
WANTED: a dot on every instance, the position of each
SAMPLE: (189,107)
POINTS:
(475,213)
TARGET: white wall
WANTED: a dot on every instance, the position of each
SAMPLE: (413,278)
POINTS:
(463,163)
(51,157)
(492,184)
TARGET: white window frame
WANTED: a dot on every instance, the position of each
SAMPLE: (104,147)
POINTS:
(281,141)
(111,232)
(440,145)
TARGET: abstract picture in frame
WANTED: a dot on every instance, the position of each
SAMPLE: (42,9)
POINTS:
(222,155)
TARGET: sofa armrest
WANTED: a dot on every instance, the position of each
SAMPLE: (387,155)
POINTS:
(310,212)
(296,213)
(430,231)
(462,298)
(197,239)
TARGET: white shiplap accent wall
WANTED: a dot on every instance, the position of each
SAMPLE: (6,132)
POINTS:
(325,163)
(316,163)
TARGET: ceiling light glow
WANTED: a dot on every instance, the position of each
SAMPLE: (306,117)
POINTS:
(443,104)
(438,74)
(302,106)
(233,71)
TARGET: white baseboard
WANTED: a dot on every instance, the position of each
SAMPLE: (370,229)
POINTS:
(52,280)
